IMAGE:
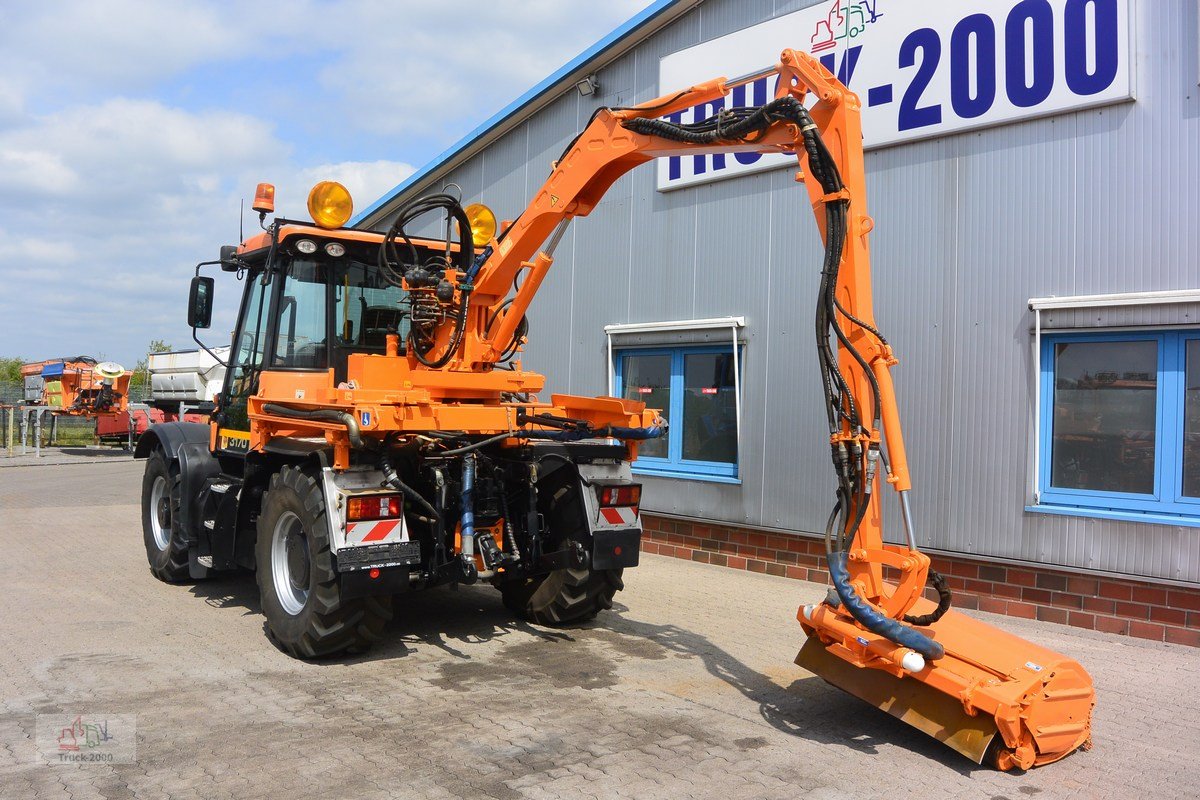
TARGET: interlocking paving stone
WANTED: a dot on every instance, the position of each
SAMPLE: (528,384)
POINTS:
(686,689)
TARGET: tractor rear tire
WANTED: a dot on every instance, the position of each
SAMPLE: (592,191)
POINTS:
(298,586)
(564,597)
(571,595)
(166,544)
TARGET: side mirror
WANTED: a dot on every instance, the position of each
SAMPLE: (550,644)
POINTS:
(200,302)
(229,260)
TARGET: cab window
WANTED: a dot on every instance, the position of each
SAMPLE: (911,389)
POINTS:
(301,342)
(367,307)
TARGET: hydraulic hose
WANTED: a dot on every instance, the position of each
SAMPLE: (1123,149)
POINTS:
(394,268)
(392,478)
(872,620)
(323,414)
(607,432)
(938,582)
(469,448)
(460,325)
(842,407)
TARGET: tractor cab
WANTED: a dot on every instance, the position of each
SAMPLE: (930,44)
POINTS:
(314,294)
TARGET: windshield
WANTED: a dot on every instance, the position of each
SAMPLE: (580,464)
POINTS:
(366,307)
(302,317)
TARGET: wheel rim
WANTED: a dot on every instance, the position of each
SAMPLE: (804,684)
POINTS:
(289,563)
(160,513)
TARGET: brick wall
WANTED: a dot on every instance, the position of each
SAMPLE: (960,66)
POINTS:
(1128,607)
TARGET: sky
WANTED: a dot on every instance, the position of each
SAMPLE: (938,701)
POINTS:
(130,130)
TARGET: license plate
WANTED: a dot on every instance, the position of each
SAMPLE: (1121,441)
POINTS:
(394,554)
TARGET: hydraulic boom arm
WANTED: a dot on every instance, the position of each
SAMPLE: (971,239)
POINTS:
(985,693)
(827,141)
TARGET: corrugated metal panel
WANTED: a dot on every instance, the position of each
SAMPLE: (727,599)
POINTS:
(1010,226)
(719,19)
(504,173)
(797,485)
(914,191)
(968,228)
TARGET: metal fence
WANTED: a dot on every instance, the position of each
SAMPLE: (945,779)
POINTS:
(69,431)
(12,393)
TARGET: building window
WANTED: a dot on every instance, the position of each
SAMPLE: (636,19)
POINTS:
(696,388)
(1121,424)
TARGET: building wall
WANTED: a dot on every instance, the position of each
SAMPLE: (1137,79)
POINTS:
(968,228)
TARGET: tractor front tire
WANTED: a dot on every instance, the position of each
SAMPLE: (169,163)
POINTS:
(298,586)
(166,544)
(571,595)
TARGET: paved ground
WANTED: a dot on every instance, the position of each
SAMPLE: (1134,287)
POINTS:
(686,689)
(59,456)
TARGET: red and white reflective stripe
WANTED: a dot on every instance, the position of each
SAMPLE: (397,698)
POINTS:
(619,515)
(375,531)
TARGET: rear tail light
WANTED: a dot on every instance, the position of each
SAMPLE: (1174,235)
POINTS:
(627,495)
(388,506)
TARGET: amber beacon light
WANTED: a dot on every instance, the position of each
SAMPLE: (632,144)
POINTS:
(330,204)
(264,199)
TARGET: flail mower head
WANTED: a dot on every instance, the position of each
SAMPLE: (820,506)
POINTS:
(996,698)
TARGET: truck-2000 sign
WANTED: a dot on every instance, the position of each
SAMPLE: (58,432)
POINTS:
(924,69)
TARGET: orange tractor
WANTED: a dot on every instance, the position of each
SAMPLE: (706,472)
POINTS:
(376,433)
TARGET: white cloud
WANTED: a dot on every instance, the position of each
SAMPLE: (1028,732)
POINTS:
(26,169)
(116,43)
(34,251)
(106,209)
(12,102)
(453,64)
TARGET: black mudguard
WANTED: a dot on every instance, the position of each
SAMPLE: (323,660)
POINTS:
(616,549)
(170,436)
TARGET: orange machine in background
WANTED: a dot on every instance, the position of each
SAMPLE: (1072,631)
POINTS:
(78,387)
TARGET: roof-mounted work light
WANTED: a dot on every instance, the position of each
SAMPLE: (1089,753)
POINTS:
(483,223)
(330,204)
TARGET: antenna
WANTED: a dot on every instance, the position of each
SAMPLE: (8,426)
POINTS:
(241,220)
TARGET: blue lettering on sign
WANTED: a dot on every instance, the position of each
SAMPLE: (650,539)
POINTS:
(990,62)
(926,41)
(1037,16)
(976,31)
(1107,43)
(844,71)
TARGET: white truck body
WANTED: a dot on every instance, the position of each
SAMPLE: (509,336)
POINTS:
(186,376)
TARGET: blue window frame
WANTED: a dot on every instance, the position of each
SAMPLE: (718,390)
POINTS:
(1120,426)
(697,391)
